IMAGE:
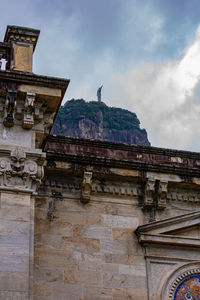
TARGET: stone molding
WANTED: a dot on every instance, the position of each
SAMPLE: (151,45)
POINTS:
(190,196)
(123,191)
(162,232)
(115,155)
(155,152)
(20,172)
(59,184)
(21,34)
(115,190)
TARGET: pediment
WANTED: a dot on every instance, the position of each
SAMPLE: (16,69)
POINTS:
(192,232)
(183,230)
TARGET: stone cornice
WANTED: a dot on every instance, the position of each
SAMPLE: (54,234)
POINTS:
(21,34)
(173,223)
(107,154)
(168,240)
(128,164)
(120,146)
(18,77)
(166,232)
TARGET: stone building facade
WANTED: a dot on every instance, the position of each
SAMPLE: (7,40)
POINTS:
(82,219)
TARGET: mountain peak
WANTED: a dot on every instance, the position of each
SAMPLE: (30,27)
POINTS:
(95,120)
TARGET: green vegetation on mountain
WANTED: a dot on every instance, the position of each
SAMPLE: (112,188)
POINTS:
(113,118)
(70,118)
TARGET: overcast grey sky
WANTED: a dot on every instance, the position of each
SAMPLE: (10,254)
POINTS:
(146,53)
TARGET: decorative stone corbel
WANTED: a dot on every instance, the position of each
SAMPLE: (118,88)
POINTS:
(162,194)
(28,119)
(155,194)
(149,192)
(10,108)
(20,172)
(86,187)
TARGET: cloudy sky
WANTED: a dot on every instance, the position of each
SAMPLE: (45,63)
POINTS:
(146,53)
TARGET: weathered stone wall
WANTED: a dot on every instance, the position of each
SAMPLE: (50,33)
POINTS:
(88,251)
(92,200)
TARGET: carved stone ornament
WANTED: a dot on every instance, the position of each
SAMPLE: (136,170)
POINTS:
(155,194)
(162,194)
(9,109)
(20,172)
(149,192)
(25,112)
(28,120)
(86,187)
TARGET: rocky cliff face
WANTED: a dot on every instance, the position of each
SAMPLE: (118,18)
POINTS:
(94,120)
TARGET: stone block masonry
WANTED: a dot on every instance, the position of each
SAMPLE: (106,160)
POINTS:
(88,252)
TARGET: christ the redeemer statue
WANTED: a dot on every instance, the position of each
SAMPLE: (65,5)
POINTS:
(99,93)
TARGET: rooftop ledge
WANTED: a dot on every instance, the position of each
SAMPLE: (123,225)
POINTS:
(116,155)
(20,77)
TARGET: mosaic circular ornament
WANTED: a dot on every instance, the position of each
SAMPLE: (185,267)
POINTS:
(188,289)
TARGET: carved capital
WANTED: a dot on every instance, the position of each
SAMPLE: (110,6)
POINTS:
(17,171)
(86,187)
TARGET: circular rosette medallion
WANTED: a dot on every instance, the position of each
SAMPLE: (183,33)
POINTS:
(188,289)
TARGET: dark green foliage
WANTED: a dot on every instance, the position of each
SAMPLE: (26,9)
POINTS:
(113,118)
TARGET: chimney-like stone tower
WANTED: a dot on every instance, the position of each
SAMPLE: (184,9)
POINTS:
(28,104)
(23,41)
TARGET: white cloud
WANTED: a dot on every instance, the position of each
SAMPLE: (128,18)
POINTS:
(165,98)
